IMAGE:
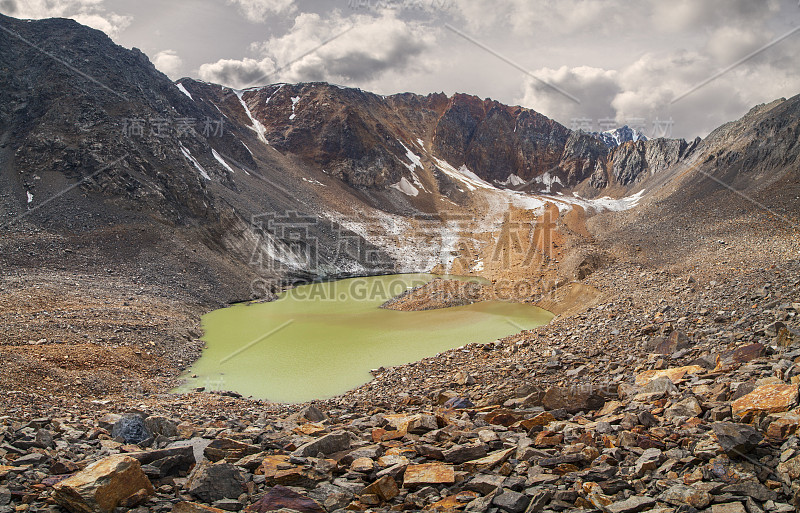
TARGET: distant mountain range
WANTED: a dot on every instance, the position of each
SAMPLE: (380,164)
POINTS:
(206,160)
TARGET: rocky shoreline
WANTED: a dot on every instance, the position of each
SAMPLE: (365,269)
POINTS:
(681,396)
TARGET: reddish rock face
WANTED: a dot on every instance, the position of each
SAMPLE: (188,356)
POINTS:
(766,399)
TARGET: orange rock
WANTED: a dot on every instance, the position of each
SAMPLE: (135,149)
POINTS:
(674,374)
(766,399)
(548,439)
(501,417)
(429,473)
(489,461)
(310,428)
(102,486)
(193,507)
(385,488)
(453,502)
(377,434)
(784,426)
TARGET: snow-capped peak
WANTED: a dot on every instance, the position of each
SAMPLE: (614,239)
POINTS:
(617,136)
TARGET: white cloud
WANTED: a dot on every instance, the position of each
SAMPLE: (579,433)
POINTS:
(645,90)
(169,63)
(88,12)
(259,10)
(596,88)
(357,49)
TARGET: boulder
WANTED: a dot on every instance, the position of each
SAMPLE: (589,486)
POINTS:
(428,474)
(161,426)
(280,498)
(229,450)
(103,485)
(572,399)
(730,507)
(193,507)
(736,439)
(689,407)
(328,444)
(765,399)
(675,374)
(385,488)
(511,501)
(679,495)
(131,429)
(461,453)
(212,482)
(633,504)
(648,461)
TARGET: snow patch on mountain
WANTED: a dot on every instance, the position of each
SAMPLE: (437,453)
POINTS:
(618,136)
(548,180)
(405,187)
(294,107)
(221,160)
(470,180)
(194,161)
(257,127)
(184,91)
(512,180)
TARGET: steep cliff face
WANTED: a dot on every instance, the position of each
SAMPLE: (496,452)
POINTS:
(495,141)
(584,156)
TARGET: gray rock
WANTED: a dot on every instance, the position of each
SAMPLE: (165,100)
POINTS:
(161,426)
(461,453)
(752,489)
(331,497)
(679,495)
(539,499)
(736,439)
(214,482)
(228,505)
(198,446)
(634,504)
(649,460)
(5,496)
(312,414)
(485,483)
(662,385)
(689,407)
(33,458)
(328,444)
(131,429)
(730,507)
(511,501)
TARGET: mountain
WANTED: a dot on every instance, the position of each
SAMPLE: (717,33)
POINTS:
(98,146)
(618,136)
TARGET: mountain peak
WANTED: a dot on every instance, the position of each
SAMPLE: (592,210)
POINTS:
(617,136)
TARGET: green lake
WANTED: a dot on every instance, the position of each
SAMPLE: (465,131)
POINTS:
(320,340)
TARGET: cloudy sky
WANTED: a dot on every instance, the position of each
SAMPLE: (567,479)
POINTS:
(589,63)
